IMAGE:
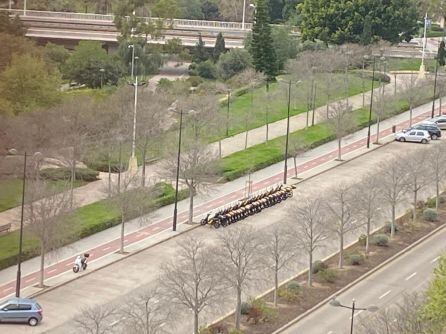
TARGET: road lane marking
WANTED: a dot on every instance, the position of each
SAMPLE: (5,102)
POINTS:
(52,271)
(435,260)
(106,248)
(384,294)
(358,313)
(29,280)
(330,332)
(8,289)
(410,276)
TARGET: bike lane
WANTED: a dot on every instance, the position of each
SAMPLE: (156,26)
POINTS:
(165,224)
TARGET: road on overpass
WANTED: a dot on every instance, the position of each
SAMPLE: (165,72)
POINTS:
(409,273)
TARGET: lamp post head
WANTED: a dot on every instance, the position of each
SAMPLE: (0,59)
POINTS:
(334,302)
(12,151)
(252,5)
(372,308)
(102,70)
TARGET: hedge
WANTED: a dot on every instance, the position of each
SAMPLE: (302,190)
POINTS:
(64,173)
(89,219)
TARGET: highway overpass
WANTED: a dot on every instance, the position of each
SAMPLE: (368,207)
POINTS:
(69,28)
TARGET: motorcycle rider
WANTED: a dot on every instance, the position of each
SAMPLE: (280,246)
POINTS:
(78,262)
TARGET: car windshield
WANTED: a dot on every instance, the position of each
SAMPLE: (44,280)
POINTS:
(38,306)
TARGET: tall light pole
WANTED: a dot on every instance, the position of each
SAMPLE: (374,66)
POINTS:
(364,59)
(243,15)
(371,103)
(334,302)
(102,75)
(133,163)
(435,85)
(175,210)
(19,256)
(422,72)
(24,8)
(10,5)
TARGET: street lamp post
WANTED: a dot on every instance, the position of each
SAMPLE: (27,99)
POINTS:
(102,75)
(227,113)
(243,15)
(364,59)
(133,163)
(334,302)
(435,86)
(24,8)
(175,210)
(371,103)
(422,71)
(19,256)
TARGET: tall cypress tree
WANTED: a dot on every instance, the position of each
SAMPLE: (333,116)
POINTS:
(200,53)
(220,47)
(262,50)
(441,54)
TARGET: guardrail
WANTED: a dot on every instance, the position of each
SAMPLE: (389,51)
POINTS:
(110,18)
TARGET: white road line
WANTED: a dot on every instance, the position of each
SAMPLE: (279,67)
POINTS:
(435,260)
(330,332)
(8,289)
(410,276)
(52,271)
(30,280)
(68,265)
(384,294)
(106,248)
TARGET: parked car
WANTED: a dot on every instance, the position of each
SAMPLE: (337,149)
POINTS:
(21,310)
(420,136)
(432,128)
(440,121)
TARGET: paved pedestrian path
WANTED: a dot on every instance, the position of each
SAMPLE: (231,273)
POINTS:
(97,190)
(156,227)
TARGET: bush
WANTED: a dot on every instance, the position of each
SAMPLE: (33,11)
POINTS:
(362,239)
(245,307)
(355,259)
(430,215)
(64,173)
(235,331)
(431,202)
(318,266)
(195,81)
(442,199)
(233,62)
(381,240)
(290,291)
(217,329)
(207,70)
(388,227)
(261,312)
(327,275)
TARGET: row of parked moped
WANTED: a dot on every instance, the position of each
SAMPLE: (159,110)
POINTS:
(248,207)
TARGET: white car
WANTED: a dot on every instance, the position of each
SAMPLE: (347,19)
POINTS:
(440,121)
(418,136)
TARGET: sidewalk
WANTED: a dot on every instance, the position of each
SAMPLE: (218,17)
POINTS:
(157,226)
(97,190)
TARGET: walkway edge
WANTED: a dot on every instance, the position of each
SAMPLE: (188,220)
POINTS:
(56,286)
(359,279)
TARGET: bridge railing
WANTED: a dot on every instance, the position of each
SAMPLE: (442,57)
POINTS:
(180,23)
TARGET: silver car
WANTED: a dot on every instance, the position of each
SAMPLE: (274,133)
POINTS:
(440,121)
(21,310)
(419,136)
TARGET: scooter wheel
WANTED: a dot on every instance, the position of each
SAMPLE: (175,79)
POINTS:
(75,269)
(84,266)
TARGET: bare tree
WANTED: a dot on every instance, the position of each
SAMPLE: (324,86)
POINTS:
(46,213)
(436,160)
(238,256)
(192,281)
(417,177)
(97,320)
(367,200)
(393,180)
(309,229)
(339,203)
(411,91)
(277,251)
(146,313)
(196,171)
(341,121)
(297,148)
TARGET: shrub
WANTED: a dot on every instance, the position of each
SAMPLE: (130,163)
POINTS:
(355,259)
(233,62)
(235,331)
(381,240)
(318,266)
(431,202)
(261,312)
(217,329)
(64,173)
(245,307)
(327,275)
(388,227)
(442,199)
(362,239)
(195,81)
(430,215)
(290,291)
(207,70)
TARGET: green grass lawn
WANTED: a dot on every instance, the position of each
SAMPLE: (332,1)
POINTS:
(11,191)
(409,64)
(242,109)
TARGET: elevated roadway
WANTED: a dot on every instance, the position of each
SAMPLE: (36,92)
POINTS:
(73,27)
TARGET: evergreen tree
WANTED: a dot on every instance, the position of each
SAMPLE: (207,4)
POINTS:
(262,49)
(200,53)
(435,309)
(220,47)
(441,54)
(366,37)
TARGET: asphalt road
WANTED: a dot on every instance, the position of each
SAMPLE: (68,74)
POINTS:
(409,273)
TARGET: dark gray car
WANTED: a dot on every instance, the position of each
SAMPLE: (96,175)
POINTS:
(21,310)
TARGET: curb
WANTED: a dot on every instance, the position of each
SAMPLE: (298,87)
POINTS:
(359,279)
(54,287)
